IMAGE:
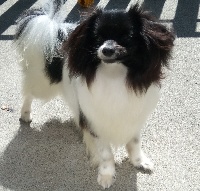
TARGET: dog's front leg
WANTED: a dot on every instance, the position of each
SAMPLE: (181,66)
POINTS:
(26,109)
(106,174)
(101,155)
(137,156)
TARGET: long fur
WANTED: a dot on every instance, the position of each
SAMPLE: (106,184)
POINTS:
(108,68)
(153,41)
(39,36)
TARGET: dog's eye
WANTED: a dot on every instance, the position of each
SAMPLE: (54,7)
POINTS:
(126,38)
(100,39)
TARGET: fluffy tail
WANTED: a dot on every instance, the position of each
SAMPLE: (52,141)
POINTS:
(43,29)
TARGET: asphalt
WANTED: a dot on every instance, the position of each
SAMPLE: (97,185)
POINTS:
(48,154)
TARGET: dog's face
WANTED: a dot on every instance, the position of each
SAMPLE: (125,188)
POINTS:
(133,38)
(114,35)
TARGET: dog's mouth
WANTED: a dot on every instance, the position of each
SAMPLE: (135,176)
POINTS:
(114,60)
(109,61)
(111,52)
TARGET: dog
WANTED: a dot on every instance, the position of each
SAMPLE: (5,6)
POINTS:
(108,68)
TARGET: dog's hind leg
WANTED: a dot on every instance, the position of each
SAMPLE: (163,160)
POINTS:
(26,109)
(102,156)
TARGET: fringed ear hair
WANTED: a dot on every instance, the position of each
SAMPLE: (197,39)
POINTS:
(79,49)
(135,13)
(156,35)
(159,34)
(160,38)
(156,43)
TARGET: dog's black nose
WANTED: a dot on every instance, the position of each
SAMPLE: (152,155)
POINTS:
(108,51)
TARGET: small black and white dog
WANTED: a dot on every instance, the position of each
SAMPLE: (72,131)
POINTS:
(108,69)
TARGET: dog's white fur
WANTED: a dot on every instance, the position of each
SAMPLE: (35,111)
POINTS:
(115,113)
(116,118)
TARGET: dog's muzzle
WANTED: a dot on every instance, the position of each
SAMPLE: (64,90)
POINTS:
(111,52)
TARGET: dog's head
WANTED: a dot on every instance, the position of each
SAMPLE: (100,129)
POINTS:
(133,38)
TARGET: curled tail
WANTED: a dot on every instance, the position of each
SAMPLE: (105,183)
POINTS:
(43,29)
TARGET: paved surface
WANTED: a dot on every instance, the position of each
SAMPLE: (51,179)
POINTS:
(49,155)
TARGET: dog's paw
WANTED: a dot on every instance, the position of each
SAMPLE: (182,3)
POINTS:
(143,164)
(26,117)
(106,180)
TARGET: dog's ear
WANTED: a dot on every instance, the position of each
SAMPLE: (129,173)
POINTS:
(158,34)
(155,43)
(158,38)
(79,49)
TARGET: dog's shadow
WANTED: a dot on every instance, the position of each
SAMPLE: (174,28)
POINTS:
(52,159)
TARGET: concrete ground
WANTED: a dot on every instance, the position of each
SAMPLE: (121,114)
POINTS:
(48,154)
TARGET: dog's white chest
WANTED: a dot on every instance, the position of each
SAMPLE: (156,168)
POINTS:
(114,111)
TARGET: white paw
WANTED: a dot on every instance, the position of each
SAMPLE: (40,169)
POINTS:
(26,116)
(143,163)
(106,180)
